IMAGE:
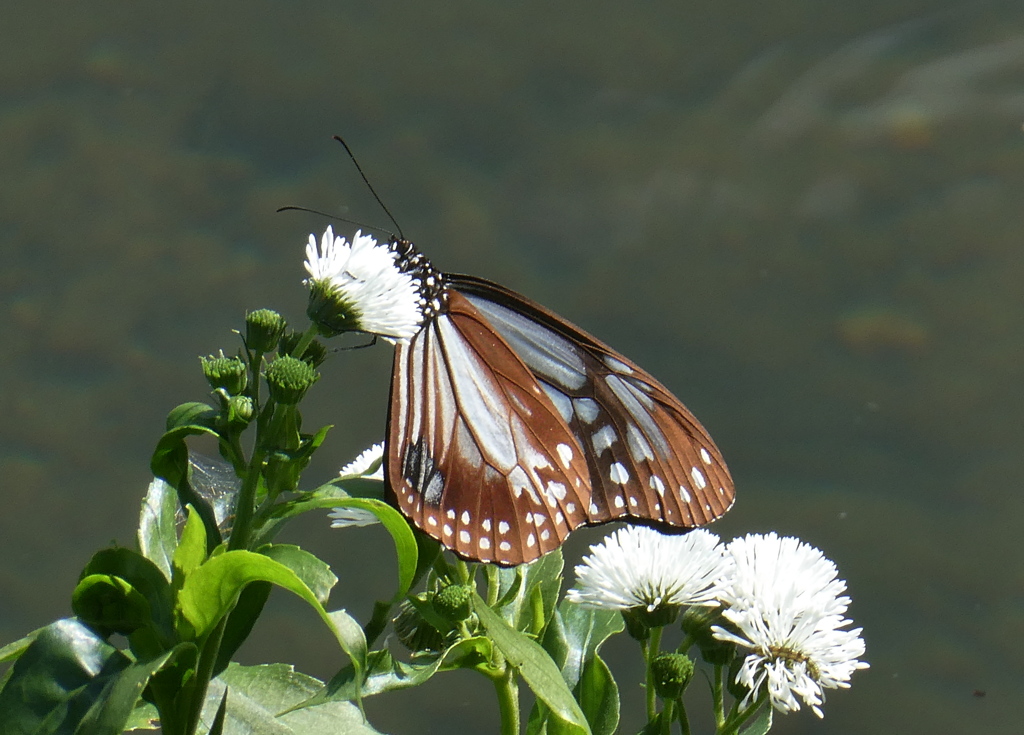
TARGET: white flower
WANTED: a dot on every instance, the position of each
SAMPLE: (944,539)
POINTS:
(637,567)
(785,599)
(357,287)
(360,467)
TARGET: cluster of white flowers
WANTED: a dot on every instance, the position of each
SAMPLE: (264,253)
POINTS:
(359,284)
(782,595)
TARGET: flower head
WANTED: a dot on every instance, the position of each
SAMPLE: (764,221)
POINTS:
(357,286)
(637,567)
(786,602)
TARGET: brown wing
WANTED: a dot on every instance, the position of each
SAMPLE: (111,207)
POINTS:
(477,454)
(649,457)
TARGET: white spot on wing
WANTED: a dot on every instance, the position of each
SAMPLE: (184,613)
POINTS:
(698,478)
(505,546)
(531,541)
(503,527)
(565,454)
(639,449)
(484,542)
(464,517)
(684,494)
(603,439)
(619,502)
(618,365)
(464,536)
(431,520)
(619,474)
(447,530)
(587,409)
(657,485)
(705,456)
(486,524)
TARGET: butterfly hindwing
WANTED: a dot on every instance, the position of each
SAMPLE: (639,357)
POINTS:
(478,455)
(648,456)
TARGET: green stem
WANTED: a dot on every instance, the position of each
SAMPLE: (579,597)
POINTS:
(717,695)
(738,717)
(304,342)
(204,672)
(242,528)
(667,715)
(651,648)
(684,721)
(507,689)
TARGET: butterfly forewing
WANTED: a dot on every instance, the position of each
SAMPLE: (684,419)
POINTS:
(648,457)
(478,455)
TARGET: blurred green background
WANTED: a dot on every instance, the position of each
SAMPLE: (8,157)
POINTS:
(804,217)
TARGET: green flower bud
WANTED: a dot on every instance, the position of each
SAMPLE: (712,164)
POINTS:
(414,632)
(454,602)
(240,410)
(671,673)
(110,604)
(263,330)
(227,373)
(289,379)
(315,352)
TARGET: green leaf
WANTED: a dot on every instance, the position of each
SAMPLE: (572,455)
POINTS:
(534,602)
(384,673)
(391,519)
(534,664)
(576,636)
(314,573)
(191,551)
(143,717)
(193,414)
(241,621)
(170,461)
(116,705)
(144,576)
(12,651)
(57,678)
(761,724)
(211,590)
(263,700)
(598,695)
(157,536)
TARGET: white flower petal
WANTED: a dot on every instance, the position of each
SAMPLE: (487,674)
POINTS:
(359,466)
(638,567)
(786,600)
(346,517)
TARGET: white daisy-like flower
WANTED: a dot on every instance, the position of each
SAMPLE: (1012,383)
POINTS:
(637,567)
(785,599)
(357,287)
(369,465)
(360,466)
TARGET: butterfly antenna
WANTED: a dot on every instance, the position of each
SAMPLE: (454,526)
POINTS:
(292,208)
(369,186)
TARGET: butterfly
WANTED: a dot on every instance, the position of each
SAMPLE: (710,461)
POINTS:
(509,427)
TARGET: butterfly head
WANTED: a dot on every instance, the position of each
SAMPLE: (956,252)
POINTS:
(388,289)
